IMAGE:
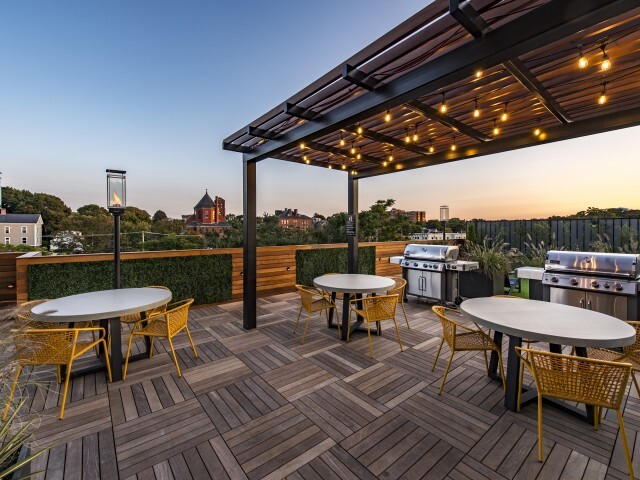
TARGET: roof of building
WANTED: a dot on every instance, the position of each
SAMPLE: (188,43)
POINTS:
(20,218)
(206,201)
(288,213)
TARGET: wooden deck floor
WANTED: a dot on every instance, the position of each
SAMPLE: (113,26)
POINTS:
(260,405)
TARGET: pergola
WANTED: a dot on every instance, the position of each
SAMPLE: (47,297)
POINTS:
(457,80)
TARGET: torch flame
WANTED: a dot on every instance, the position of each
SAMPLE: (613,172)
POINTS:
(116,200)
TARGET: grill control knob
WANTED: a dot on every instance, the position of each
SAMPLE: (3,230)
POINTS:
(607,286)
(454,267)
(617,287)
(415,264)
(595,284)
(554,279)
(573,281)
(425,265)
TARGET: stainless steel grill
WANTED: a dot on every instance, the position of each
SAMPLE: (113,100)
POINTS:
(605,282)
(431,271)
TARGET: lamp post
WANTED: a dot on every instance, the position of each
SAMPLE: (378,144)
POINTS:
(116,203)
(444,216)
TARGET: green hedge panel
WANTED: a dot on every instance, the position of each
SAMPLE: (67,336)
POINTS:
(206,278)
(313,263)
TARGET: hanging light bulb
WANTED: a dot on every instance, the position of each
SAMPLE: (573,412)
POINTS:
(344,167)
(407,138)
(496,130)
(453,144)
(330,167)
(384,164)
(415,134)
(476,112)
(391,156)
(505,115)
(443,105)
(603,96)
(606,63)
(306,159)
(359,155)
(302,146)
(353,149)
(387,117)
(582,60)
(478,73)
(354,172)
(537,130)
(359,130)
(341,140)
(431,147)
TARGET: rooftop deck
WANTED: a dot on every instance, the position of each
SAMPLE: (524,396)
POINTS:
(257,404)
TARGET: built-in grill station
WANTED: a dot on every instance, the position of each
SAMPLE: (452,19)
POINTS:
(604,282)
(431,271)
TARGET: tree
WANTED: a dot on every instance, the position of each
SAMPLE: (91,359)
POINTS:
(168,225)
(159,216)
(456,225)
(321,217)
(472,235)
(93,210)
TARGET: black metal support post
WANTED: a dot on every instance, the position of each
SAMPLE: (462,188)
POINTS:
(444,232)
(352,241)
(249,319)
(116,249)
(114,324)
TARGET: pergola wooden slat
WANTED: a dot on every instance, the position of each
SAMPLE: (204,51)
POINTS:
(527,51)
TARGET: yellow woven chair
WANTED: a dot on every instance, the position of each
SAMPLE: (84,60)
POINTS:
(630,354)
(576,379)
(133,318)
(313,300)
(398,289)
(166,325)
(53,346)
(468,340)
(375,309)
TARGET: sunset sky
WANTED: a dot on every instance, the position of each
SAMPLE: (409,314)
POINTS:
(152,87)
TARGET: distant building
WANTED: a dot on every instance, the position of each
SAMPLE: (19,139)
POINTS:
(21,228)
(288,218)
(208,215)
(416,216)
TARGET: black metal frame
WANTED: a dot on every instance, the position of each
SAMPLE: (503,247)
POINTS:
(249,249)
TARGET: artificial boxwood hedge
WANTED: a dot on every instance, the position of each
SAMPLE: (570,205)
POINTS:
(313,263)
(206,278)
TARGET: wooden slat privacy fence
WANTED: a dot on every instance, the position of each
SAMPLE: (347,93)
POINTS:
(8,276)
(276,265)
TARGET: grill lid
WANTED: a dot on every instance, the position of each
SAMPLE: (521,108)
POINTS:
(437,253)
(622,265)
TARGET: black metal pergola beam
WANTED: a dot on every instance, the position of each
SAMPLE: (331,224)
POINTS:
(447,120)
(541,26)
(599,124)
(262,133)
(300,112)
(469,18)
(382,138)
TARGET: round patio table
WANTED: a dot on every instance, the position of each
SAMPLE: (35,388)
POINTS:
(547,322)
(347,284)
(107,306)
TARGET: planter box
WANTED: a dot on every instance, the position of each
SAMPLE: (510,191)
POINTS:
(476,284)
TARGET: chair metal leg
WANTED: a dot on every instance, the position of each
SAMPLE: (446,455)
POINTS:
(126,360)
(59,374)
(405,314)
(370,343)
(398,333)
(13,387)
(623,434)
(349,327)
(635,382)
(504,382)
(175,359)
(520,382)
(297,320)
(446,371)
(596,416)
(437,354)
(66,389)
(305,328)
(106,359)
(540,428)
(195,352)
(151,347)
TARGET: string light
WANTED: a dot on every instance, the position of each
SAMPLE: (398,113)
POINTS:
(359,130)
(302,146)
(415,134)
(353,149)
(407,138)
(505,114)
(387,117)
(603,96)
(354,172)
(496,130)
(359,155)
(478,73)
(391,156)
(606,63)
(306,160)
(344,167)
(443,105)
(384,164)
(453,144)
(476,112)
(341,140)
(330,167)
(582,60)
(537,130)
(431,147)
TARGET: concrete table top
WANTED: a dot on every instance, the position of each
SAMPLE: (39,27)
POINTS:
(353,283)
(549,322)
(100,305)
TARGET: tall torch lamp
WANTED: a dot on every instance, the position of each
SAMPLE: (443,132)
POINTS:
(116,203)
(444,216)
